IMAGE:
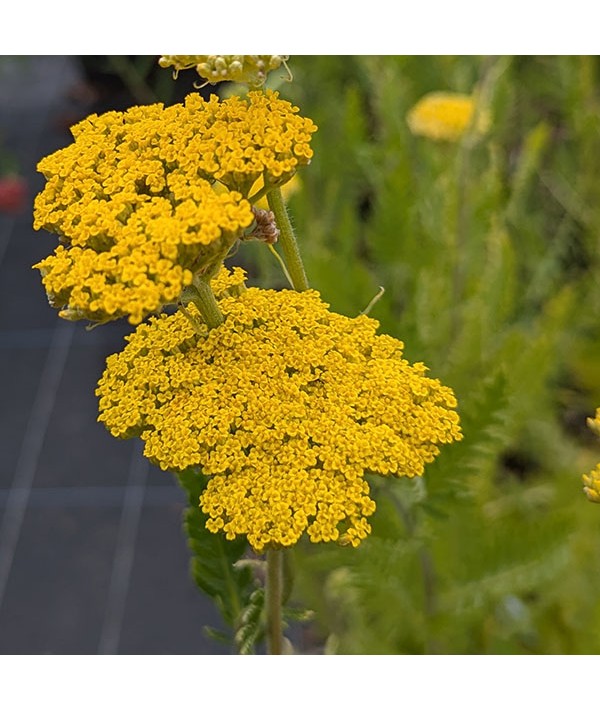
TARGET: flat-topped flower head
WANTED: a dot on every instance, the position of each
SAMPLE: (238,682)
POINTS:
(251,69)
(445,116)
(285,407)
(133,203)
(251,137)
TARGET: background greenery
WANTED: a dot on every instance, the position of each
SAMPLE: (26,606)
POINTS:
(489,254)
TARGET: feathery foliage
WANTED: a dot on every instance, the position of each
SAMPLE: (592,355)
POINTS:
(488,250)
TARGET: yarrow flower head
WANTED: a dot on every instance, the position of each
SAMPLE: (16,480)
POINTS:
(591,481)
(445,116)
(285,407)
(251,69)
(133,200)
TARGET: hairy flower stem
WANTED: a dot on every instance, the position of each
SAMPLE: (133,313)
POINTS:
(287,240)
(296,274)
(273,601)
(202,296)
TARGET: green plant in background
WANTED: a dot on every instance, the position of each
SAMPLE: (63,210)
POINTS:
(486,244)
(271,408)
(488,251)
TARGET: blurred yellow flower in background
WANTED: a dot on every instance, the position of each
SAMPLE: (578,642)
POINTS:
(446,116)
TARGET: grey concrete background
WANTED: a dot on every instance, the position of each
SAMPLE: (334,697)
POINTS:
(92,556)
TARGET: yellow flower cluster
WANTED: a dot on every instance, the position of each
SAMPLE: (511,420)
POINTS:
(445,116)
(285,406)
(251,69)
(591,485)
(133,203)
(591,481)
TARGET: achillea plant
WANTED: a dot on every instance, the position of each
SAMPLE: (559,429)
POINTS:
(272,409)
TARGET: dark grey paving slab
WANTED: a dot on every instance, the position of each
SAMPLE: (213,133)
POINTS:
(78,450)
(158,478)
(17,125)
(19,377)
(23,302)
(30,82)
(69,538)
(56,594)
(29,246)
(165,612)
(108,339)
(93,496)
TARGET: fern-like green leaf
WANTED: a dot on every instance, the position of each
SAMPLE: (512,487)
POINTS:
(515,579)
(485,430)
(251,629)
(214,557)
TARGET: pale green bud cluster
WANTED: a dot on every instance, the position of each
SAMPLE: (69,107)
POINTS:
(251,69)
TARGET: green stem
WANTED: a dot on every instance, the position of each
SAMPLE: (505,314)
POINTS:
(202,296)
(492,70)
(273,601)
(287,240)
(253,199)
(281,264)
(461,229)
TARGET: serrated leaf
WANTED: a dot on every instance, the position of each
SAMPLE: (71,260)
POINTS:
(510,580)
(485,433)
(251,629)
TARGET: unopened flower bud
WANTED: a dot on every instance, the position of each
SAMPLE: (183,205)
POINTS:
(446,116)
(251,69)
(265,228)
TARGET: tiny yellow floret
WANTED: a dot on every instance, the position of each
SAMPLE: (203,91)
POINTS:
(285,408)
(445,116)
